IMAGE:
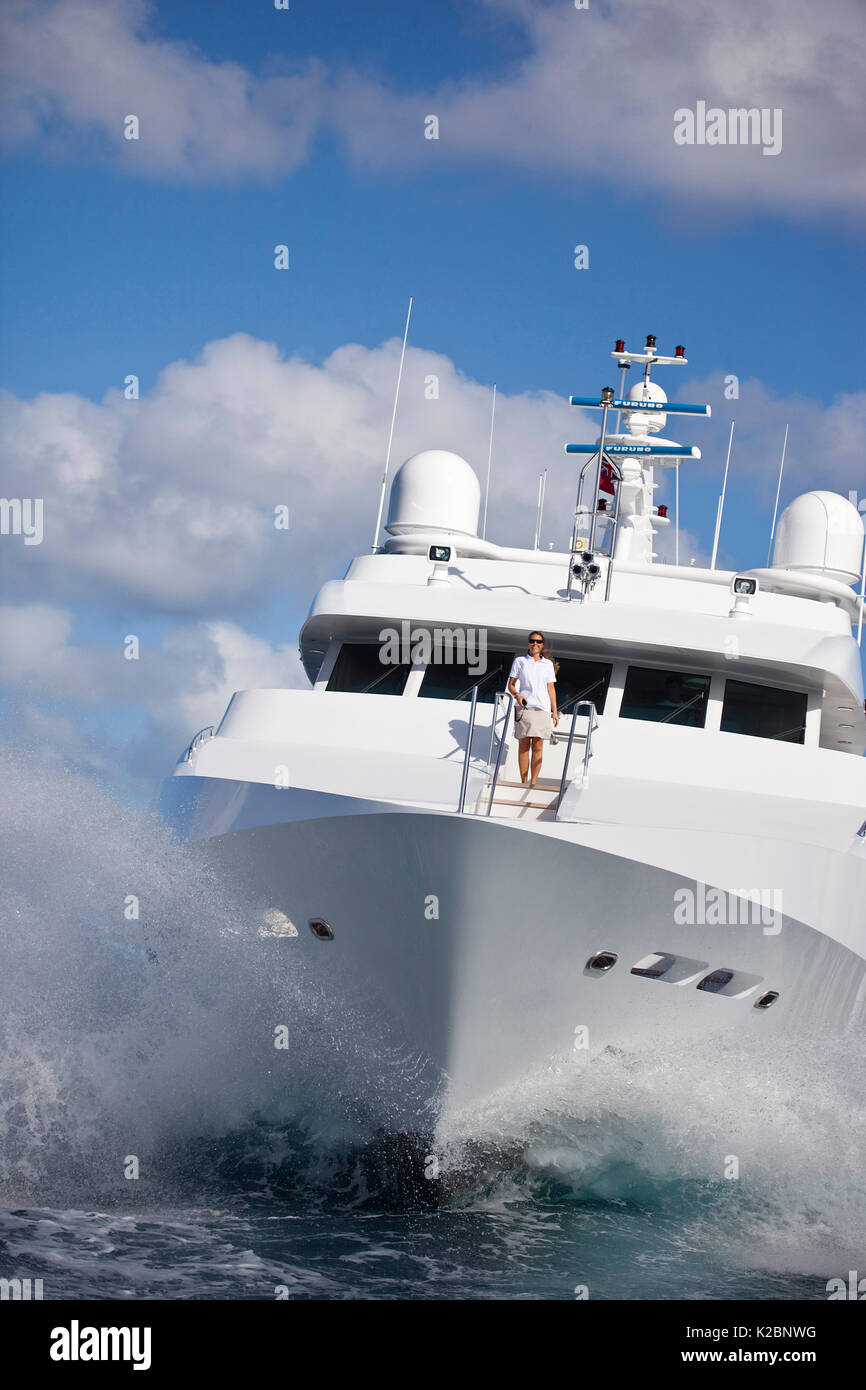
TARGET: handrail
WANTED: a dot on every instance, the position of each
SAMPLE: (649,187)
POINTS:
(507,694)
(465,778)
(592,725)
(499,695)
(195,742)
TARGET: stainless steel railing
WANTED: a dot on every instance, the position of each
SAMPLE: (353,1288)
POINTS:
(465,778)
(509,698)
(592,725)
(203,736)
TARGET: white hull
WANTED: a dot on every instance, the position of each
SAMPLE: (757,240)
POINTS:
(496,986)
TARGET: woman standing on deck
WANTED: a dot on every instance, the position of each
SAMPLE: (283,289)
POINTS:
(533,684)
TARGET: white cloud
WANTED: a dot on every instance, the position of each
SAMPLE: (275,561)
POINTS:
(193,671)
(176,687)
(73,70)
(825,447)
(594,95)
(168,502)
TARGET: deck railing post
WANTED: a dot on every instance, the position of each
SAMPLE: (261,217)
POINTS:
(465,778)
(590,706)
(508,696)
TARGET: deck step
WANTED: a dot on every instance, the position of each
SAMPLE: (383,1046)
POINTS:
(536,805)
(545,784)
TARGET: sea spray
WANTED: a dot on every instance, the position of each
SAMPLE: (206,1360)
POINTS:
(140,1002)
(151,1036)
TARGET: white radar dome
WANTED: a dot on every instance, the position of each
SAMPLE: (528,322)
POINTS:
(820,533)
(649,421)
(434,491)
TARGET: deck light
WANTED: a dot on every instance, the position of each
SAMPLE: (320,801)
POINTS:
(607,395)
(651,341)
(679,351)
(662,510)
(620,345)
(743,590)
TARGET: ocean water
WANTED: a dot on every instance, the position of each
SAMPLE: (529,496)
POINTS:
(146,1044)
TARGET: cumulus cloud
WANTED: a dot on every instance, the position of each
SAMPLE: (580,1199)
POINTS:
(176,686)
(169,502)
(73,70)
(194,669)
(825,446)
(599,88)
(594,94)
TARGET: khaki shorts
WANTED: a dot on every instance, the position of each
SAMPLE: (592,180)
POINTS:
(532,723)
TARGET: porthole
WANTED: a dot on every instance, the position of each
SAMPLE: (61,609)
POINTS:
(654,966)
(716,980)
(765,1000)
(671,969)
(322,930)
(602,961)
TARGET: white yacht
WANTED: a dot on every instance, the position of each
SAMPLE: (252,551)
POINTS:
(692,863)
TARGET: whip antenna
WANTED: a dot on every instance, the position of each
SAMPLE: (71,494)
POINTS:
(489,464)
(778,491)
(721,506)
(391,431)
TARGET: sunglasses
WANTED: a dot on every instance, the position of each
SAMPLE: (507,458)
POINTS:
(536,642)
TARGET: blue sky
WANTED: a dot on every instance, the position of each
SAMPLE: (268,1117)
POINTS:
(123,257)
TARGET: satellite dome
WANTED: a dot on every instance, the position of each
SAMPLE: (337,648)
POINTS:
(650,421)
(434,491)
(820,533)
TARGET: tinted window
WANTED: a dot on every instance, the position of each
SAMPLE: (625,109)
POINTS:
(581,680)
(453,680)
(763,712)
(665,697)
(359,669)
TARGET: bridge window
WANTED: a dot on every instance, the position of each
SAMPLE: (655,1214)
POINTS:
(665,697)
(577,680)
(453,680)
(359,669)
(763,712)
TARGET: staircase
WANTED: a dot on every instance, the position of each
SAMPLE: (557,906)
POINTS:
(517,801)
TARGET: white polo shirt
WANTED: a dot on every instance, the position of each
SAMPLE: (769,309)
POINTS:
(532,678)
